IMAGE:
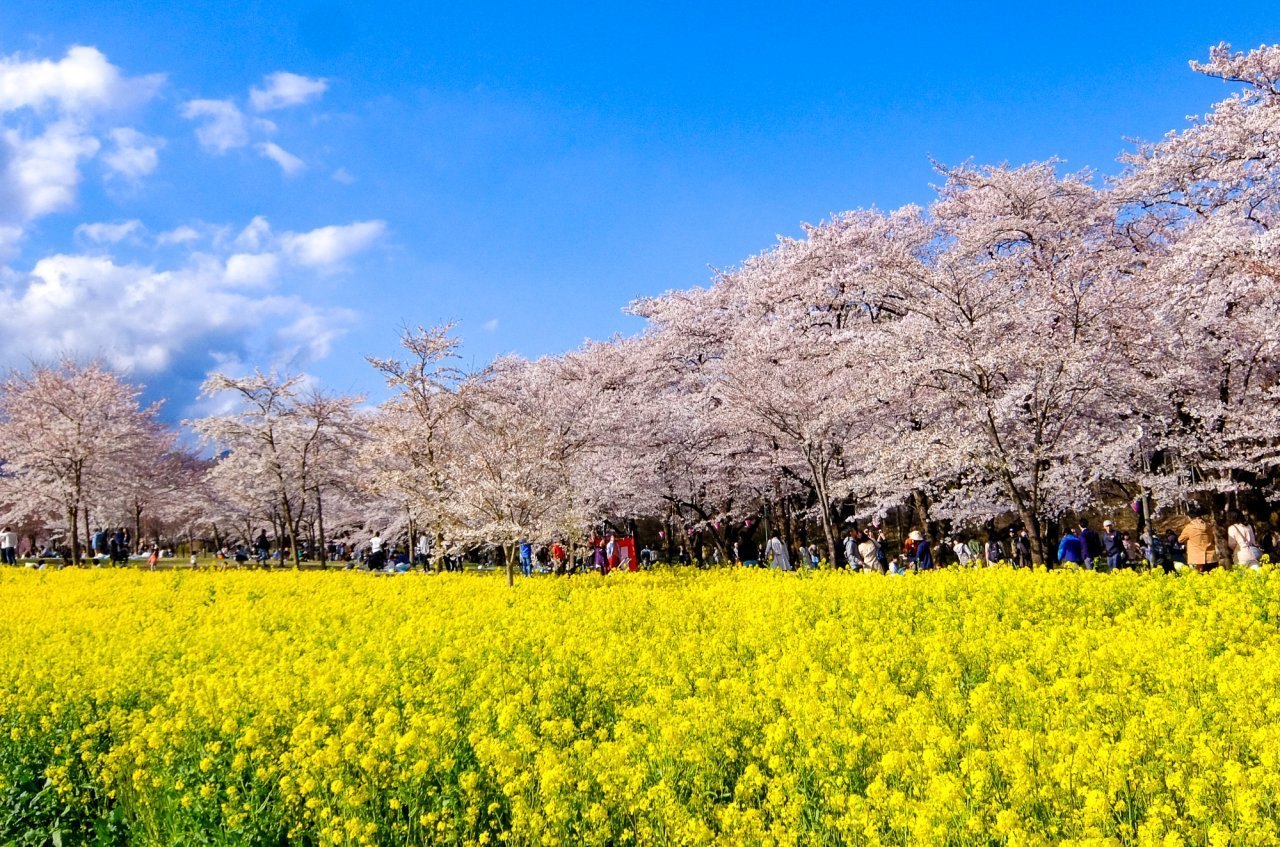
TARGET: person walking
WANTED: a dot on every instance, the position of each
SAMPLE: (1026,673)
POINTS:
(923,552)
(526,557)
(377,555)
(1020,547)
(1243,542)
(1132,549)
(123,546)
(963,556)
(993,552)
(262,545)
(1197,534)
(8,546)
(851,546)
(882,555)
(776,552)
(1113,546)
(1070,549)
(870,556)
(1090,543)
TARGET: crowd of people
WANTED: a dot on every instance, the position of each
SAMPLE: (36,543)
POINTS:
(1194,545)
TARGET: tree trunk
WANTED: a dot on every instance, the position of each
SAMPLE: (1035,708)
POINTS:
(789,529)
(1029,512)
(73,515)
(137,521)
(88,534)
(1218,525)
(824,505)
(1030,520)
(292,530)
(671,536)
(511,565)
(323,554)
(920,511)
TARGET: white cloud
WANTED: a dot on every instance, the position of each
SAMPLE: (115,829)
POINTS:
(172,316)
(10,237)
(343,176)
(135,155)
(105,233)
(312,335)
(288,162)
(224,125)
(252,268)
(59,103)
(283,89)
(178,235)
(490,325)
(42,173)
(328,247)
(161,320)
(325,248)
(255,236)
(82,82)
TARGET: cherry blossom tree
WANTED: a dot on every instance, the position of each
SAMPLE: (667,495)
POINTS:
(504,471)
(162,483)
(67,433)
(1209,196)
(283,445)
(407,457)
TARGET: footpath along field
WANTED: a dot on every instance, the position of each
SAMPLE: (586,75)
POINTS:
(959,707)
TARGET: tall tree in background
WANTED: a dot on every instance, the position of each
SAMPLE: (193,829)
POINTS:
(68,433)
(280,438)
(1210,197)
(408,454)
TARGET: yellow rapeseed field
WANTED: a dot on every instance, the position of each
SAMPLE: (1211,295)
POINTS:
(732,707)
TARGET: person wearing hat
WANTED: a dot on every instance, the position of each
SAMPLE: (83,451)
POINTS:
(1113,546)
(923,553)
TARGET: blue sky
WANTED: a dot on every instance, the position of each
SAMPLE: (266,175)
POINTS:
(523,169)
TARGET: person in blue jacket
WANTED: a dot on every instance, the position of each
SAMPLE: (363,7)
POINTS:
(526,557)
(923,553)
(1070,549)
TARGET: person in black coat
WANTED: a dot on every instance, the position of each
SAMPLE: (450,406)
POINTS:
(1091,543)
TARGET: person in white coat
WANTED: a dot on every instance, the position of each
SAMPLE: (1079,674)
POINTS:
(1242,541)
(9,546)
(869,551)
(776,552)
